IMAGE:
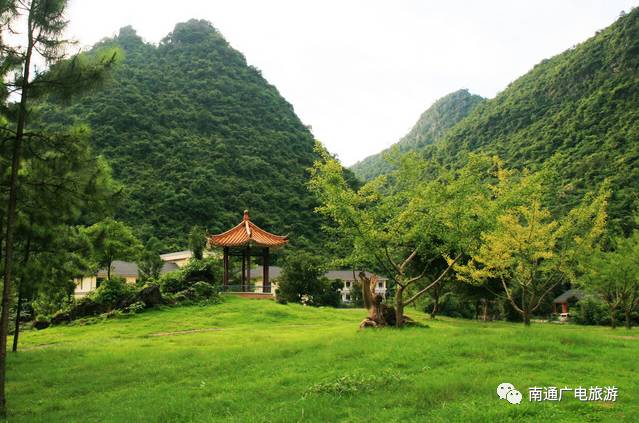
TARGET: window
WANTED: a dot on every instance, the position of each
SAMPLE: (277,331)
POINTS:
(380,284)
(348,284)
(347,297)
(98,282)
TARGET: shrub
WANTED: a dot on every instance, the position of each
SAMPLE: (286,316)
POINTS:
(136,307)
(590,311)
(200,292)
(204,290)
(114,293)
(173,282)
(303,281)
(208,269)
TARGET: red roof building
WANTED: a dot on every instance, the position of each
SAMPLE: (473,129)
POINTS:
(247,239)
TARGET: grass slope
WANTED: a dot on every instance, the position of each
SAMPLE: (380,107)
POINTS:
(253,360)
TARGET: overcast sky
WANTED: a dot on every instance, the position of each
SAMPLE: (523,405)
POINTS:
(361,72)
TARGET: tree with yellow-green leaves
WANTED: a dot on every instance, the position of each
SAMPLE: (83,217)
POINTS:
(412,225)
(530,252)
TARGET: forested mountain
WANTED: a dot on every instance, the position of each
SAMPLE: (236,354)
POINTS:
(582,105)
(430,127)
(197,136)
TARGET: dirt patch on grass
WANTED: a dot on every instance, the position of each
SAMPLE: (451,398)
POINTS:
(626,337)
(185,332)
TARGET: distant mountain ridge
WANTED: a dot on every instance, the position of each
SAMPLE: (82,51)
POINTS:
(196,135)
(580,108)
(430,127)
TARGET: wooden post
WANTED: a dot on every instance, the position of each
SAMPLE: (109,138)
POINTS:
(226,267)
(243,269)
(266,284)
(248,267)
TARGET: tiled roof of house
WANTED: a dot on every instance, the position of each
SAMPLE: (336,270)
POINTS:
(569,295)
(247,233)
(177,255)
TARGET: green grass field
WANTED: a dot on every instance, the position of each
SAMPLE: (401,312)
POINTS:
(255,360)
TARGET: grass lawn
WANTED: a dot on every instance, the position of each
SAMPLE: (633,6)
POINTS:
(255,360)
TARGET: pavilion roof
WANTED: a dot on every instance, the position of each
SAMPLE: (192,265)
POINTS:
(247,233)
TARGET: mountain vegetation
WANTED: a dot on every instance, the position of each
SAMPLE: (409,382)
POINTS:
(196,136)
(579,108)
(431,126)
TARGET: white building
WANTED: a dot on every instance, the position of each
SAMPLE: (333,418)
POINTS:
(346,276)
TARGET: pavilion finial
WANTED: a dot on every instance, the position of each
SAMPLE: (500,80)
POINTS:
(246,215)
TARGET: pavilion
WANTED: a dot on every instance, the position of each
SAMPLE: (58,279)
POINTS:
(246,240)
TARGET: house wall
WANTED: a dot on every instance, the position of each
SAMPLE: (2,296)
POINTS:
(380,288)
(87,284)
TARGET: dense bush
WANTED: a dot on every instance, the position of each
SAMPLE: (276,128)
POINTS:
(114,293)
(207,270)
(590,311)
(199,293)
(136,307)
(303,281)
(172,282)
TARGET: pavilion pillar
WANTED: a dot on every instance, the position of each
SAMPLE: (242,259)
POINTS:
(243,269)
(226,267)
(266,284)
(248,267)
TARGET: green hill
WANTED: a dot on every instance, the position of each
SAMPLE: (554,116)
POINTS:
(582,104)
(260,361)
(430,127)
(197,136)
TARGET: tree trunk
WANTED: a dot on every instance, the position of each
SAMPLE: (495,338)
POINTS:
(613,320)
(21,288)
(372,302)
(11,215)
(365,283)
(436,295)
(16,330)
(484,316)
(628,322)
(526,315)
(399,306)
(434,310)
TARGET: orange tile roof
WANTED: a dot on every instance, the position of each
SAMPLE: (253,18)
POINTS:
(247,233)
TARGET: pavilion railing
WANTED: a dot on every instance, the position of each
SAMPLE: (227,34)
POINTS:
(257,289)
